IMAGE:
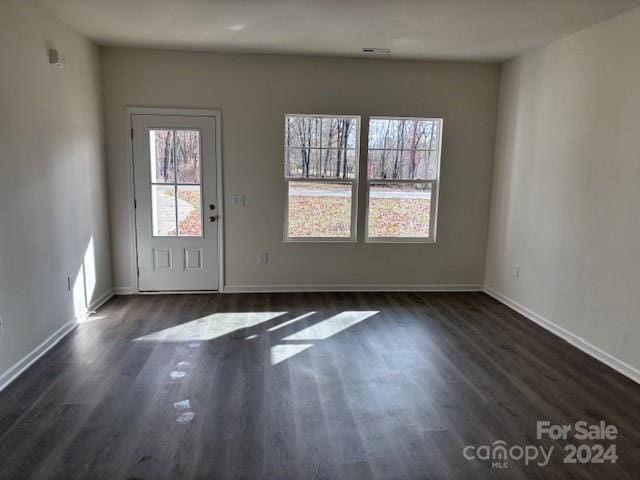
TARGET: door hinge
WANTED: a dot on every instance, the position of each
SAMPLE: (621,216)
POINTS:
(135,203)
(132,133)
(138,270)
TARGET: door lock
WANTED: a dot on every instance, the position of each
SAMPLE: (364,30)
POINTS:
(212,218)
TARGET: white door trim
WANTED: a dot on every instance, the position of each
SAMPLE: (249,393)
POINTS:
(188,112)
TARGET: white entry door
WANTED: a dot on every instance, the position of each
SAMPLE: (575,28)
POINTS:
(175,177)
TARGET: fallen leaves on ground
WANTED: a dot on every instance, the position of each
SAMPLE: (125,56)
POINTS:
(330,216)
(396,217)
(191,226)
(319,216)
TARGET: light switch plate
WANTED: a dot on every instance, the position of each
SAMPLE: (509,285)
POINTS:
(237,200)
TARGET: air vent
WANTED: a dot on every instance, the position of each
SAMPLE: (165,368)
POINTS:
(376,50)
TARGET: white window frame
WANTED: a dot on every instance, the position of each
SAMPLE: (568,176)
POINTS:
(435,189)
(353,182)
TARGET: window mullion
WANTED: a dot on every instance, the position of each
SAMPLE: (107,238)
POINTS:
(320,180)
(398,180)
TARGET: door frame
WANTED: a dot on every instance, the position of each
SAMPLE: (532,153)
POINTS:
(184,112)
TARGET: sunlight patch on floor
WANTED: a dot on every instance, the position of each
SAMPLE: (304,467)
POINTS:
(329,327)
(289,322)
(210,327)
(318,331)
(280,353)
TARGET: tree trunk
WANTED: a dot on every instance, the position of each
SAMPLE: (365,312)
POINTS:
(383,159)
(340,136)
(166,161)
(428,159)
(328,152)
(288,146)
(398,149)
(308,155)
(415,139)
(347,128)
(305,162)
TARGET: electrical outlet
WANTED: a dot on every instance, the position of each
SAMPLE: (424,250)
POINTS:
(263,257)
(517,271)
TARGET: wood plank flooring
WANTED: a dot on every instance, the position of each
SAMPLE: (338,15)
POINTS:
(307,386)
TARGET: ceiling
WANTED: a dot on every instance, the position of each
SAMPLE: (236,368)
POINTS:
(484,30)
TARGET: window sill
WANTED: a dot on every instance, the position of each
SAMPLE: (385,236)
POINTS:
(319,240)
(399,240)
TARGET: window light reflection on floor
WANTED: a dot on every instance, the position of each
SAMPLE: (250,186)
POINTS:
(289,322)
(217,325)
(318,331)
(210,327)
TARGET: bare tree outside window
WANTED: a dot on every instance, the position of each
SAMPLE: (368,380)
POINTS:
(402,178)
(321,165)
(175,179)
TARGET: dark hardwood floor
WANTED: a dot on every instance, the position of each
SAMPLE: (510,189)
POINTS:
(363,385)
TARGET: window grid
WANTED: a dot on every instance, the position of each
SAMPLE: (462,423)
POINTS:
(433,183)
(352,181)
(327,178)
(175,184)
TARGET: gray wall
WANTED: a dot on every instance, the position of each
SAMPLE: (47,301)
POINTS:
(53,197)
(254,92)
(567,188)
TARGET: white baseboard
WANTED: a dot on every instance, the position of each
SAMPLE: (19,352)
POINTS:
(14,372)
(101,300)
(17,369)
(124,291)
(578,342)
(350,288)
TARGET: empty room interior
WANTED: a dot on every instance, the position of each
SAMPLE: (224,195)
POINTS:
(319,239)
